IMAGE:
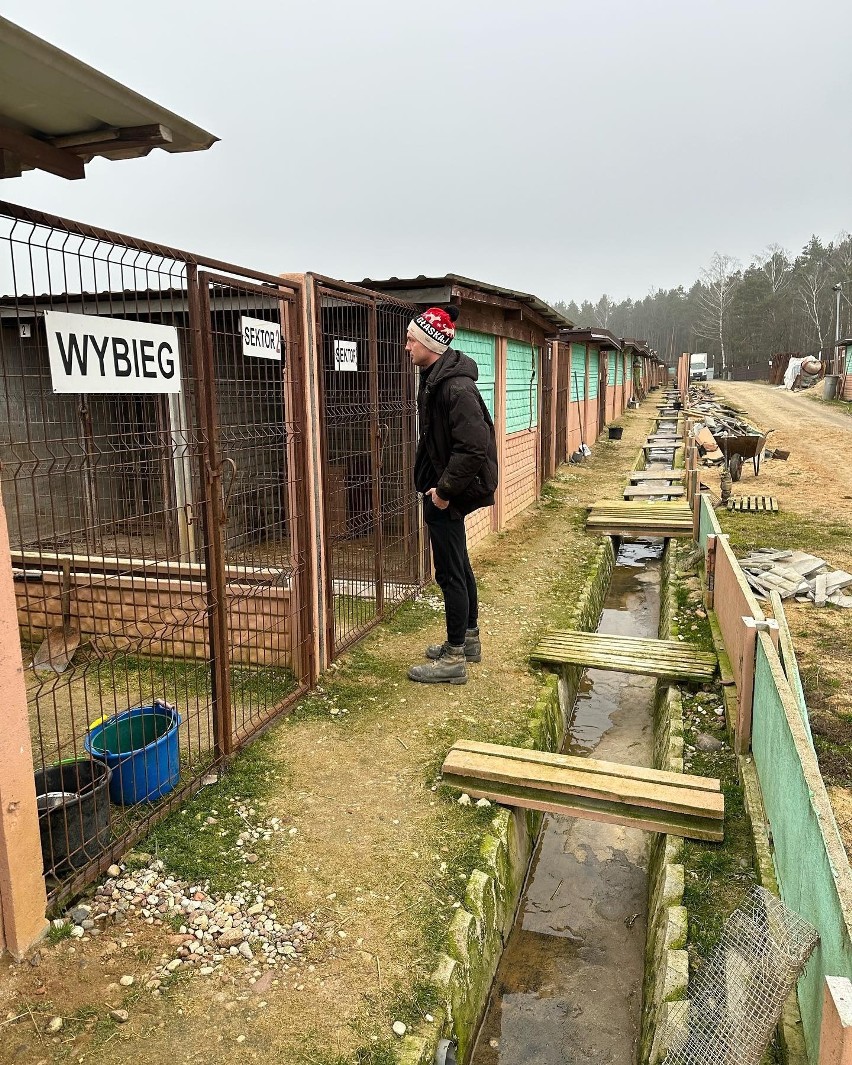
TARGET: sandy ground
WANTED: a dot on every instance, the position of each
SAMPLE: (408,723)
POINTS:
(372,852)
(814,486)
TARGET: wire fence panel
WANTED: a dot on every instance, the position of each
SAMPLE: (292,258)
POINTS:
(159,620)
(368,411)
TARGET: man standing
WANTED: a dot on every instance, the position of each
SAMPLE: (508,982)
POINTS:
(456,470)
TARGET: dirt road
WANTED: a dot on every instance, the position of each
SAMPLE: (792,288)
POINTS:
(819,439)
(814,492)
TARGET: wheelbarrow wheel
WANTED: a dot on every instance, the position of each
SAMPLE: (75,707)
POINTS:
(735,465)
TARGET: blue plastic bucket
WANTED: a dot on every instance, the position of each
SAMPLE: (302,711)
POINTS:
(140,746)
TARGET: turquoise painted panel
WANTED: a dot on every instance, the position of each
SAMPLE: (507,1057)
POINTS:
(797,807)
(708,522)
(594,373)
(849,358)
(481,348)
(619,368)
(521,386)
(611,367)
(578,372)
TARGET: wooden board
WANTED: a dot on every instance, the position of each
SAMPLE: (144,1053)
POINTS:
(618,517)
(648,491)
(767,504)
(600,791)
(656,475)
(626,654)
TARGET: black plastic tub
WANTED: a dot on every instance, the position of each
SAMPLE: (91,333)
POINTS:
(615,432)
(73,813)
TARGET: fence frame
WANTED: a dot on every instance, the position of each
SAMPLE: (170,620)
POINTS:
(198,273)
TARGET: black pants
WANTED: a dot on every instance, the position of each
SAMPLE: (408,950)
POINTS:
(452,571)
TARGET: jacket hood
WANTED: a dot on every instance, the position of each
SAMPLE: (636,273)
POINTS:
(453,364)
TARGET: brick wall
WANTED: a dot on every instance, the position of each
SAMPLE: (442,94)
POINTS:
(478,525)
(519,473)
(159,615)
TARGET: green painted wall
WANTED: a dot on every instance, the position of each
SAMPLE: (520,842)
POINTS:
(849,358)
(578,372)
(594,373)
(809,858)
(521,386)
(611,367)
(619,368)
(480,347)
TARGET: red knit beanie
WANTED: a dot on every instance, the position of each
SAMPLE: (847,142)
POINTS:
(434,328)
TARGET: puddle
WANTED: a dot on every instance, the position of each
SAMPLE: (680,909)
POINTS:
(568,990)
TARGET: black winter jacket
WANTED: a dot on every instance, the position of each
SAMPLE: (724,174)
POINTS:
(457,434)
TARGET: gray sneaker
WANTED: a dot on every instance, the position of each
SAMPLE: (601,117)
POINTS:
(449,668)
(472,647)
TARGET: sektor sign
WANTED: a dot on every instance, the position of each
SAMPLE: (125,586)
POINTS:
(111,355)
(346,355)
(261,340)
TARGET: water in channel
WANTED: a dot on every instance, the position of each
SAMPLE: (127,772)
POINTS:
(568,990)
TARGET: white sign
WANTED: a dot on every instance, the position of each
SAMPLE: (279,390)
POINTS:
(110,355)
(346,355)
(261,340)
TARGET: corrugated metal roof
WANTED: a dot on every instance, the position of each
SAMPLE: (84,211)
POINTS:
(47,94)
(544,310)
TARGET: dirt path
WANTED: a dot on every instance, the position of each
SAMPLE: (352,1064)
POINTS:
(375,856)
(819,439)
(814,492)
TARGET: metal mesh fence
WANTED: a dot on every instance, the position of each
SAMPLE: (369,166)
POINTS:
(736,998)
(157,532)
(372,518)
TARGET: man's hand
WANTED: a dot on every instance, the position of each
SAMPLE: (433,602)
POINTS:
(441,504)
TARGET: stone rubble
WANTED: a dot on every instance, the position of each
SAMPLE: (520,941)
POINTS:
(796,574)
(208,928)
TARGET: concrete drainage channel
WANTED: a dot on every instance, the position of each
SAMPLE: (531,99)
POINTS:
(546,961)
(569,984)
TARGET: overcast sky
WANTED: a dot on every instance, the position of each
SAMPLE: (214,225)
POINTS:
(561,148)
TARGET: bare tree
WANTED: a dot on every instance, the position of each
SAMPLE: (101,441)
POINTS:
(603,311)
(718,283)
(810,285)
(774,261)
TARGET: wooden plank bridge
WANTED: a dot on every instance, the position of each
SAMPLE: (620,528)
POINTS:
(627,654)
(651,799)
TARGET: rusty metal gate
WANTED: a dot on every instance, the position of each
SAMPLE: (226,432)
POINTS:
(368,414)
(153,472)
(563,389)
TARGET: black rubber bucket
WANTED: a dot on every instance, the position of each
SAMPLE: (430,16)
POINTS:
(73,813)
(615,432)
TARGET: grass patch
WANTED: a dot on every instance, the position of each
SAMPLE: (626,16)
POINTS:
(196,851)
(786,532)
(56,933)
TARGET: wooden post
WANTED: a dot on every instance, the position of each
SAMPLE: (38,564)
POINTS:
(835,1044)
(745,694)
(556,348)
(500,356)
(23,899)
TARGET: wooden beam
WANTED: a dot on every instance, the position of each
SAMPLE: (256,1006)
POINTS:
(599,791)
(123,137)
(41,155)
(10,164)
